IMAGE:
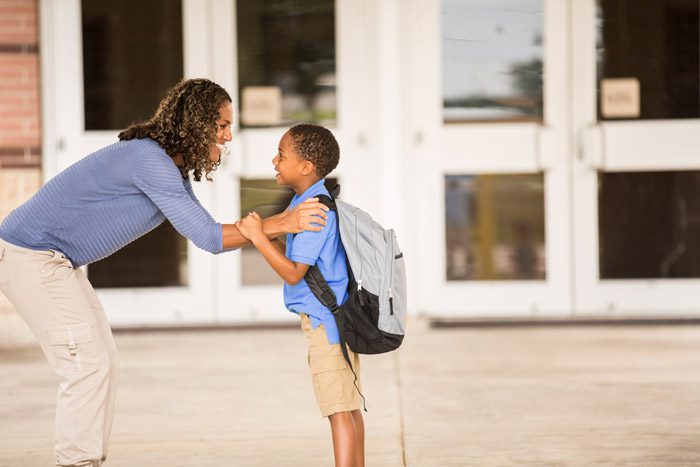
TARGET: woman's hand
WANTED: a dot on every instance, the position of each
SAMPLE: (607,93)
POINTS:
(251,226)
(309,215)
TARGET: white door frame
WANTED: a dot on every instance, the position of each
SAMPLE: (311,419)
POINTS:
(439,149)
(614,147)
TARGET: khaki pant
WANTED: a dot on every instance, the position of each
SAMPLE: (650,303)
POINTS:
(63,312)
(334,382)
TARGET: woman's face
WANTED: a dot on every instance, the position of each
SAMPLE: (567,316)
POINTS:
(223,131)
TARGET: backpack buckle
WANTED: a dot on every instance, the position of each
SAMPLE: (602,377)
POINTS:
(334,309)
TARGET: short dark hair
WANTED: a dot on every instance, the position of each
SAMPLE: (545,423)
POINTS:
(317,145)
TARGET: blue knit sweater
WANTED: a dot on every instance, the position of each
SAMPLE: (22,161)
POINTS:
(107,200)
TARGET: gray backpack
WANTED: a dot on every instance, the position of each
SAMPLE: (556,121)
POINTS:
(373,318)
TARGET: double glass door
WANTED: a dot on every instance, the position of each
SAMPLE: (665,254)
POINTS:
(282,62)
(636,117)
(565,154)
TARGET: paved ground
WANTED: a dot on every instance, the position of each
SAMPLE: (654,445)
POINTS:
(450,397)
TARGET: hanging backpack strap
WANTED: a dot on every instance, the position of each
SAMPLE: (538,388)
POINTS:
(323,292)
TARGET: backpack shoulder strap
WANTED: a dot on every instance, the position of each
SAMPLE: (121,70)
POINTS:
(314,279)
(328,201)
(320,288)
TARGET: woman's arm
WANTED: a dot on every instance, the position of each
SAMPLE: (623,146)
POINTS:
(309,215)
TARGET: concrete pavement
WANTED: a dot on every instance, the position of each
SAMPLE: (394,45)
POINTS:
(449,397)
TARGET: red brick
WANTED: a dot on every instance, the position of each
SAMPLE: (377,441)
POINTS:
(17,3)
(18,24)
(20,161)
(19,141)
(19,85)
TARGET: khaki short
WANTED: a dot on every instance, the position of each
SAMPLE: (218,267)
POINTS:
(332,379)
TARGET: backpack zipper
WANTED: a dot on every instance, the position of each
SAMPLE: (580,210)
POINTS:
(359,292)
(391,277)
(359,282)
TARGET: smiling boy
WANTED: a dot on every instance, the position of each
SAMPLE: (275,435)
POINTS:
(307,154)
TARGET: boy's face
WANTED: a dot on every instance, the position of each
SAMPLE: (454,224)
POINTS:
(289,166)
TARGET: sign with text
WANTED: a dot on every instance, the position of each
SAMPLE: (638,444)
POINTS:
(261,106)
(619,98)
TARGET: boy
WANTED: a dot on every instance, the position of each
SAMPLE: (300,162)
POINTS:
(306,155)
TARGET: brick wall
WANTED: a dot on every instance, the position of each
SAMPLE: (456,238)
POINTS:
(20,132)
(20,139)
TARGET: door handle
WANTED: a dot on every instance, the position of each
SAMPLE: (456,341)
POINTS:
(591,147)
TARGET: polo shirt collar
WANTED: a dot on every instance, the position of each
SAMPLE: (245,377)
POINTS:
(315,189)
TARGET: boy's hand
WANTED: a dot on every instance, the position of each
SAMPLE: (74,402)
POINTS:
(309,215)
(251,226)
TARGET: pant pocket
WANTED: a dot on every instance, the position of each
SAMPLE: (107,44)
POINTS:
(329,375)
(330,387)
(73,347)
(55,269)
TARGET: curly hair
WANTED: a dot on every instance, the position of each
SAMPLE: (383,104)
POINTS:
(185,123)
(317,145)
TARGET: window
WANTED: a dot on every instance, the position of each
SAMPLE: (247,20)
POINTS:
(649,225)
(655,48)
(132,54)
(494,227)
(492,60)
(158,259)
(286,62)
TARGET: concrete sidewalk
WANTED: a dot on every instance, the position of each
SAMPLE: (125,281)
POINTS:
(449,397)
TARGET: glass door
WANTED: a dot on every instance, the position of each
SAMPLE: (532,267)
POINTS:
(293,61)
(490,160)
(103,68)
(636,101)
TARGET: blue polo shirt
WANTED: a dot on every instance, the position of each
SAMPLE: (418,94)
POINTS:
(325,250)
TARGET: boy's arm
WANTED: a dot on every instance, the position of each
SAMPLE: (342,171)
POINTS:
(279,245)
(287,269)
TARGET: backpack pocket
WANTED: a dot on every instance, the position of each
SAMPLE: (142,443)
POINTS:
(360,323)
(398,282)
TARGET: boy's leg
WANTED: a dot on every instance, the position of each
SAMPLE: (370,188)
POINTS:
(343,431)
(359,438)
(337,396)
(48,294)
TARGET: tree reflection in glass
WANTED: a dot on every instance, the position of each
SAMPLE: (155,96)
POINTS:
(492,60)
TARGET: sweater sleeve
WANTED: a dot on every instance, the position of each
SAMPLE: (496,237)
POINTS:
(190,190)
(160,180)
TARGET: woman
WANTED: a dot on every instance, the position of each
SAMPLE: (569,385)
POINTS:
(92,209)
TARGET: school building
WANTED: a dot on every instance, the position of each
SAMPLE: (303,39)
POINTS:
(537,158)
